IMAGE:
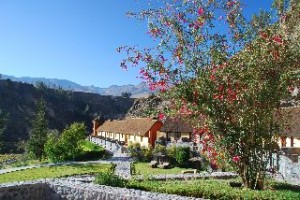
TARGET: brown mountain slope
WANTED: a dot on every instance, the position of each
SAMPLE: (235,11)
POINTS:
(63,107)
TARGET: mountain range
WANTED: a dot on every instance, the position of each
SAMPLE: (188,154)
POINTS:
(139,90)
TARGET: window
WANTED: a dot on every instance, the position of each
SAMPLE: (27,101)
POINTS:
(292,142)
(283,141)
(177,135)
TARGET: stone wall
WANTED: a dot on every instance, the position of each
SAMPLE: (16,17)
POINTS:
(28,191)
(290,170)
(64,189)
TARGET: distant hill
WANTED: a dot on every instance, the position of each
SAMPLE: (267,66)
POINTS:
(18,100)
(140,90)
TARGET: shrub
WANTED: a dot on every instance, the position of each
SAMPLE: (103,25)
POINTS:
(67,145)
(52,147)
(171,153)
(132,168)
(140,153)
(146,154)
(109,178)
(161,141)
(183,156)
(159,149)
(134,150)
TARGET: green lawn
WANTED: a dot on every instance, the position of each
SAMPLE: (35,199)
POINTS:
(142,168)
(217,189)
(90,151)
(53,172)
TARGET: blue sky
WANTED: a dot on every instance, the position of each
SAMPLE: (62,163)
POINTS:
(73,39)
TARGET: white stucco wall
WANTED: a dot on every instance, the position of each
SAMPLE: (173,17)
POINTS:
(288,142)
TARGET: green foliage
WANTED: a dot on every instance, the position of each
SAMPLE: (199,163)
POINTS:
(90,151)
(53,148)
(38,134)
(132,168)
(140,153)
(109,178)
(183,156)
(68,145)
(126,94)
(230,81)
(216,189)
(159,149)
(171,153)
(70,139)
(3,120)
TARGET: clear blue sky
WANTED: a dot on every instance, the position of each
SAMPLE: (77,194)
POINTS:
(73,39)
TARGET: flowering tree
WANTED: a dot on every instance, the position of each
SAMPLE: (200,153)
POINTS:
(220,68)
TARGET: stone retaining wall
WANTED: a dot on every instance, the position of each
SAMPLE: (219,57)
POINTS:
(64,190)
(28,191)
(217,175)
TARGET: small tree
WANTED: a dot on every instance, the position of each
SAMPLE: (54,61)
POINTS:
(3,119)
(230,79)
(70,140)
(38,135)
(126,94)
(53,149)
(67,145)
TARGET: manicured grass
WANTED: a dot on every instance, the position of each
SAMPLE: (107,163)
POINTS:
(89,146)
(217,189)
(90,151)
(143,168)
(53,172)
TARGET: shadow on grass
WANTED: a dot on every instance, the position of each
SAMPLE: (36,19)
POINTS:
(286,187)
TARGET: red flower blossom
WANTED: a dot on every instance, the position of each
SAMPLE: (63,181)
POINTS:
(161,116)
(200,11)
(236,159)
(277,39)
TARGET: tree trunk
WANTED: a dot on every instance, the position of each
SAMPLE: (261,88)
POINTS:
(251,178)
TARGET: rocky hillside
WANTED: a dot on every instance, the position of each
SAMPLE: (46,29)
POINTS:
(63,107)
(148,107)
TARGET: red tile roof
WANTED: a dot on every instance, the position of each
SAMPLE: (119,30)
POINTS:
(128,126)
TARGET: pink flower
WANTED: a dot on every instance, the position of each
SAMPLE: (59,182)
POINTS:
(263,35)
(230,3)
(161,116)
(236,159)
(200,11)
(277,39)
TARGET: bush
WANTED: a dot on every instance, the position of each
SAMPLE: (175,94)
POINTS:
(67,145)
(159,149)
(140,153)
(109,178)
(161,141)
(134,150)
(183,156)
(171,153)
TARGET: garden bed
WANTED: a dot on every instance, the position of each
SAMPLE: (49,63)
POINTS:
(217,189)
(143,168)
